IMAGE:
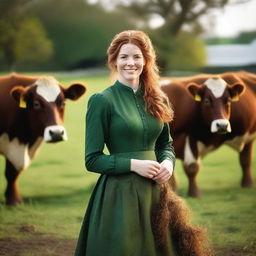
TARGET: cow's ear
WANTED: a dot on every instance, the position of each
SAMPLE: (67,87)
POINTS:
(18,93)
(194,89)
(236,90)
(75,91)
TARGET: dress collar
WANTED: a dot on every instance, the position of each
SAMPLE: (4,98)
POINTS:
(129,88)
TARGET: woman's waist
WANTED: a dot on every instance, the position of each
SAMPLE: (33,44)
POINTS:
(141,155)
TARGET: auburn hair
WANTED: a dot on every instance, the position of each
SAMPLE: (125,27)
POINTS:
(172,216)
(156,101)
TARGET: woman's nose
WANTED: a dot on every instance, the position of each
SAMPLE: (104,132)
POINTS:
(130,61)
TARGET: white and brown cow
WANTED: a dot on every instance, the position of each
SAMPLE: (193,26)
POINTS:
(212,110)
(31,111)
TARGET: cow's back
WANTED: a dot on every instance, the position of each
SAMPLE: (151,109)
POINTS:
(243,114)
(249,79)
(7,82)
(243,111)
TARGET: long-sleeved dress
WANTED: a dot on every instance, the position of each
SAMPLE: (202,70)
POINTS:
(118,220)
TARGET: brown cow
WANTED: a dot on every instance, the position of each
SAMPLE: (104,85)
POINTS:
(212,110)
(31,111)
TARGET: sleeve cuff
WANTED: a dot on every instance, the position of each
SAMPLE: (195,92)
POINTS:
(123,165)
(169,164)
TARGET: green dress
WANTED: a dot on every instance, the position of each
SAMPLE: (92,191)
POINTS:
(118,220)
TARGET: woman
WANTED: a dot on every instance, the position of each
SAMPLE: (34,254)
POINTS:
(131,207)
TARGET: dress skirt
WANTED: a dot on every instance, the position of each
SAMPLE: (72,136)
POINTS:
(118,220)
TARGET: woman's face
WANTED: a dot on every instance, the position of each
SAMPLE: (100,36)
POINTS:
(129,64)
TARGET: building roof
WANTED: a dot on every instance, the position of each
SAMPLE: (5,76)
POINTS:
(234,55)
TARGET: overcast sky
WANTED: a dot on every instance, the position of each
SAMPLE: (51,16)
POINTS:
(234,19)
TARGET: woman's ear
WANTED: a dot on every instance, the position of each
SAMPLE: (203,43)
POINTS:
(115,65)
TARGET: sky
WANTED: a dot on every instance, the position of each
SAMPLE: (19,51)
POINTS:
(234,19)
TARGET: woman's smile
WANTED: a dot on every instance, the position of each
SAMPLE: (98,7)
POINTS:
(129,65)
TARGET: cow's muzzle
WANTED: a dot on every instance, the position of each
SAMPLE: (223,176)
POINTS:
(220,126)
(55,133)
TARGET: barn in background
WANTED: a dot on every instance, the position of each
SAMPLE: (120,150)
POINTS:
(231,57)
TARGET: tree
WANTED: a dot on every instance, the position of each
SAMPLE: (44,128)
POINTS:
(31,42)
(245,37)
(182,52)
(23,38)
(178,16)
(80,32)
(175,13)
(188,53)
(7,41)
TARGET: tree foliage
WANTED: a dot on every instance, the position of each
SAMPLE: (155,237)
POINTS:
(80,32)
(10,8)
(182,52)
(245,37)
(23,38)
(77,34)
(179,16)
(188,54)
(176,13)
(31,42)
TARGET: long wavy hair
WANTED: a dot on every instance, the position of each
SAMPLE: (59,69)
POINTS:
(156,102)
(172,216)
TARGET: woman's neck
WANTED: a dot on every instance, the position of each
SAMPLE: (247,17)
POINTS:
(134,84)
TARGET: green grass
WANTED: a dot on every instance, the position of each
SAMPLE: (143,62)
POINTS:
(56,189)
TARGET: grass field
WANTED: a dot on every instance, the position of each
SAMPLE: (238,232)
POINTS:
(56,189)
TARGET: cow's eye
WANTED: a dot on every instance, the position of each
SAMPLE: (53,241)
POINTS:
(62,104)
(36,104)
(207,101)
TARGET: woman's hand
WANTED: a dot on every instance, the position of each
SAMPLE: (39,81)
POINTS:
(145,168)
(165,172)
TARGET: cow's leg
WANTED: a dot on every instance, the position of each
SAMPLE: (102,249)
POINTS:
(191,165)
(11,194)
(245,162)
(192,170)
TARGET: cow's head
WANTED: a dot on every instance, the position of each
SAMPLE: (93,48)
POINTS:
(215,96)
(44,103)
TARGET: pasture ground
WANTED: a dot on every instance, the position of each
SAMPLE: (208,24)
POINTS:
(56,189)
